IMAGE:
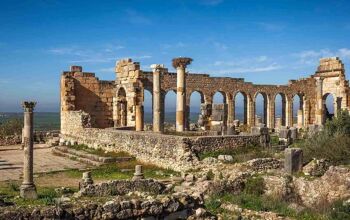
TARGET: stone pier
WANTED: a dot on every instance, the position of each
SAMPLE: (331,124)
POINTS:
(180,65)
(139,118)
(157,107)
(28,189)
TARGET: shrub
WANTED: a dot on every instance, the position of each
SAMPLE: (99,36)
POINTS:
(254,186)
(11,127)
(332,143)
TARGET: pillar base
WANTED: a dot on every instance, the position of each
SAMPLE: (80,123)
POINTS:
(28,191)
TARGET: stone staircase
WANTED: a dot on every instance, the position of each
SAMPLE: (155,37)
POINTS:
(5,165)
(87,158)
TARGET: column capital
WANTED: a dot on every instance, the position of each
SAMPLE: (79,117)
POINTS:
(181,62)
(157,67)
(28,106)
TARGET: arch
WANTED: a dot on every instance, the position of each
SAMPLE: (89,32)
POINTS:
(280,101)
(330,105)
(170,107)
(194,107)
(218,96)
(148,106)
(122,106)
(298,110)
(260,100)
(240,106)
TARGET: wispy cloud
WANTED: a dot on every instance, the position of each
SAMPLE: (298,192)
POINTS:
(220,46)
(267,26)
(310,57)
(250,69)
(135,17)
(210,2)
(245,65)
(174,45)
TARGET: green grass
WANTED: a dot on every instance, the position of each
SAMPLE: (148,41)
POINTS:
(114,171)
(10,192)
(242,154)
(99,151)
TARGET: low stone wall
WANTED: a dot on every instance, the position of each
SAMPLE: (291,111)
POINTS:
(169,151)
(170,207)
(10,140)
(216,143)
(122,187)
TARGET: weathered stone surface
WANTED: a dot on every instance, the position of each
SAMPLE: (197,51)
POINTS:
(293,161)
(316,167)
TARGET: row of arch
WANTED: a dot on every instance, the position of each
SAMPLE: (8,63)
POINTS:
(239,104)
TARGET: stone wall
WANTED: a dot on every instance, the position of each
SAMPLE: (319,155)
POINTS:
(168,151)
(84,91)
(220,143)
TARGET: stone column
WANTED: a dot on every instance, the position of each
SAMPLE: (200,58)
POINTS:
(319,101)
(157,107)
(230,110)
(139,118)
(306,115)
(289,113)
(300,118)
(28,189)
(270,114)
(180,64)
(250,111)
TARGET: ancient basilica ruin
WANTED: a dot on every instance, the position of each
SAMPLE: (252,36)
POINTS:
(120,103)
(109,114)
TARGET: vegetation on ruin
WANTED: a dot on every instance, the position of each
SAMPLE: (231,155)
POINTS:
(242,154)
(100,151)
(252,198)
(11,127)
(332,143)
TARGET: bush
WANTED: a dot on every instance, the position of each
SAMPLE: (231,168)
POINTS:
(254,186)
(11,127)
(332,143)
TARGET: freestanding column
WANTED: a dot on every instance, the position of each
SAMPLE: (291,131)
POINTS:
(180,65)
(139,118)
(250,111)
(157,107)
(319,101)
(289,113)
(28,189)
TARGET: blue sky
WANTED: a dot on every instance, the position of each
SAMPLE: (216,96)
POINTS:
(266,42)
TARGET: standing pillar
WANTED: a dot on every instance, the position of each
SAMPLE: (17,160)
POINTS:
(319,102)
(157,106)
(230,110)
(289,113)
(250,111)
(28,189)
(270,114)
(306,115)
(180,64)
(139,118)
(300,118)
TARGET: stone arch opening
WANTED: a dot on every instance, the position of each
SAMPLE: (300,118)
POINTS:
(219,97)
(260,100)
(280,110)
(122,108)
(329,107)
(196,99)
(240,106)
(148,106)
(298,110)
(170,107)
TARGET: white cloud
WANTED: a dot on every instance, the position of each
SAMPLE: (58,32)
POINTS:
(220,46)
(311,57)
(107,70)
(170,46)
(250,69)
(261,58)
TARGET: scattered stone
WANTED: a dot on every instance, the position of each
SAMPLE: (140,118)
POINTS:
(316,167)
(86,180)
(225,158)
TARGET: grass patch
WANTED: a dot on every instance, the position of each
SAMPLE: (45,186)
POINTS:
(99,151)
(242,154)
(115,171)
